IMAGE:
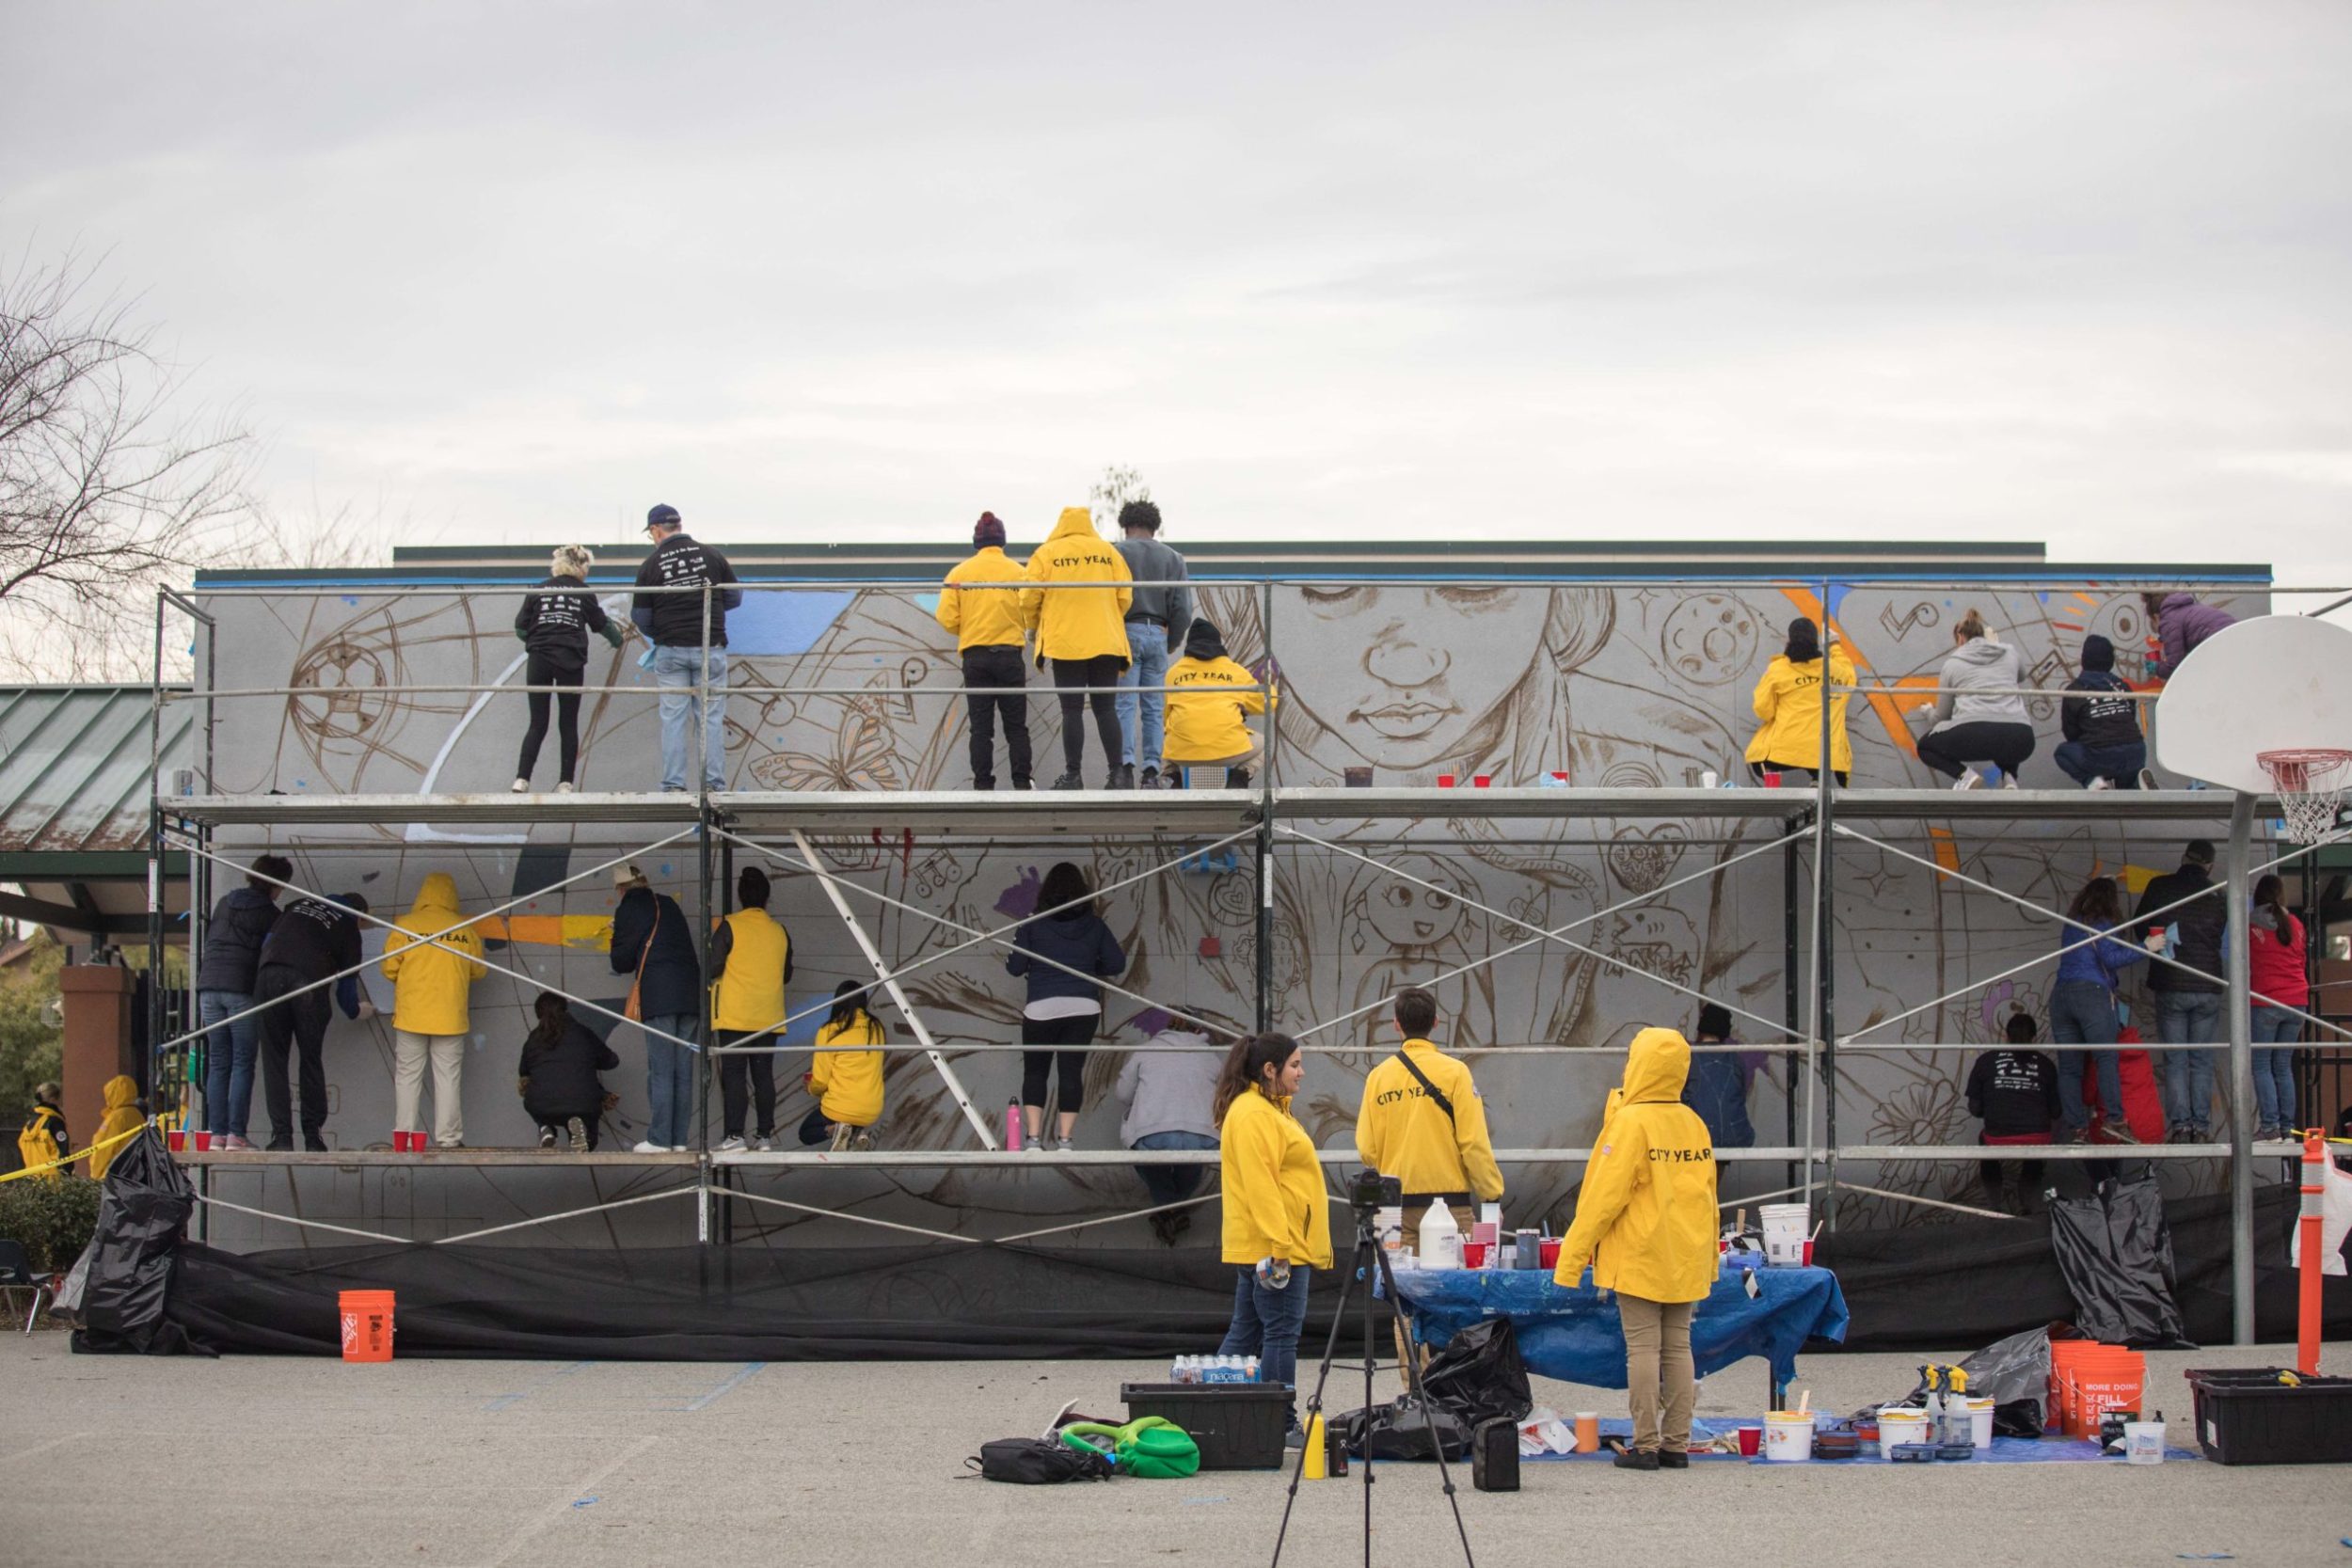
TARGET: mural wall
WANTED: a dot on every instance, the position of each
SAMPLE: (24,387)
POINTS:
(1625,686)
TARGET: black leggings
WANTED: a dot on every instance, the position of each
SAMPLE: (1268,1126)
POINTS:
(538,671)
(1757,769)
(1068,1066)
(1998,741)
(1101,672)
(739,1098)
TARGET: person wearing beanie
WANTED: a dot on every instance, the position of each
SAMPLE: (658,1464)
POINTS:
(554,629)
(1077,598)
(688,652)
(1789,701)
(982,604)
(1157,619)
(1210,700)
(1717,1088)
(2104,748)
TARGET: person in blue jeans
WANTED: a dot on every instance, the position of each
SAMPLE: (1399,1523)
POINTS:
(2279,972)
(652,941)
(224,988)
(2083,1008)
(2104,748)
(2187,988)
(687,652)
(1278,1223)
(1157,620)
(1169,1089)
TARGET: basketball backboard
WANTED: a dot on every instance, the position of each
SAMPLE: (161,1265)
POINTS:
(2263,685)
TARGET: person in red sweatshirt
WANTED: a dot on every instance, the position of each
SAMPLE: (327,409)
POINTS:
(2281,975)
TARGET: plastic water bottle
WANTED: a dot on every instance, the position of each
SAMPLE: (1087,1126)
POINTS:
(1250,1369)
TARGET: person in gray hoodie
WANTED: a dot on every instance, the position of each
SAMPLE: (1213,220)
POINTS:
(1157,619)
(1170,1088)
(1980,716)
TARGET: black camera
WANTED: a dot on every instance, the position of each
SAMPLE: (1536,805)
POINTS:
(1368,1190)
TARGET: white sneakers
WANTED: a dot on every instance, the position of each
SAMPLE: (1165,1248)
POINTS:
(522,786)
(646,1145)
(1969,778)
(731,1145)
(564,788)
(2103,782)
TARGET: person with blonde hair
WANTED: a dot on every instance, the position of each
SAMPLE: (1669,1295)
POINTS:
(1979,716)
(555,624)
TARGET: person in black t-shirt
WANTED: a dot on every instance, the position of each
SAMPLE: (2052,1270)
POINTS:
(2015,1094)
(554,629)
(686,651)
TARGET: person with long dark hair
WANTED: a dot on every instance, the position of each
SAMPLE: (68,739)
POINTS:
(2282,990)
(557,1075)
(554,625)
(2083,1008)
(846,1073)
(1277,1221)
(1789,701)
(1980,716)
(1061,952)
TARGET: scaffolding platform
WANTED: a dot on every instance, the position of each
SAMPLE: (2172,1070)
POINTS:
(257,1159)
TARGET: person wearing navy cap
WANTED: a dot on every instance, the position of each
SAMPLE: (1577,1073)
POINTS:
(686,651)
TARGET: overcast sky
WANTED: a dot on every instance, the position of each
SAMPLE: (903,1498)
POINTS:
(1751,270)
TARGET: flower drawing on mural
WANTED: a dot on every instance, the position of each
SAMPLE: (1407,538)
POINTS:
(860,754)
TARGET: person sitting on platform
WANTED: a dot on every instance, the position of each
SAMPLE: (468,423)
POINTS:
(43,1141)
(432,982)
(2104,748)
(846,1073)
(1064,1010)
(1422,1121)
(311,940)
(1277,1208)
(1718,1087)
(1789,701)
(980,604)
(557,1075)
(554,629)
(1081,629)
(2181,622)
(1645,1220)
(753,956)
(1980,716)
(651,940)
(1209,704)
(1171,1092)
(2014,1092)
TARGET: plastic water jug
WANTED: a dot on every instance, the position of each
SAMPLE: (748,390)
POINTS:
(1439,1243)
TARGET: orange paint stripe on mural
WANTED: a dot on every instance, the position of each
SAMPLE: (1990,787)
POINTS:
(1890,705)
(1946,849)
(589,933)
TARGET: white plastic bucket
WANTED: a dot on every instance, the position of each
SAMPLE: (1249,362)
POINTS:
(1900,1425)
(2144,1442)
(1981,1422)
(1785,1226)
(1788,1437)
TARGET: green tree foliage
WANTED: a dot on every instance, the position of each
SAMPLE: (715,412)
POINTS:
(32,1046)
(53,1218)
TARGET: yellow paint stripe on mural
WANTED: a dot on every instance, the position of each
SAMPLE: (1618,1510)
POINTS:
(2135,878)
(1947,851)
(1890,705)
(586,933)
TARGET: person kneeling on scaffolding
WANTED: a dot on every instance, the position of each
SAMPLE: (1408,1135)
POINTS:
(1210,700)
(846,1073)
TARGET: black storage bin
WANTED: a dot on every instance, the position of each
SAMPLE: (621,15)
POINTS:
(1495,1456)
(1238,1426)
(2245,1416)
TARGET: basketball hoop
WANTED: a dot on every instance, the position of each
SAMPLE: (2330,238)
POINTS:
(2311,783)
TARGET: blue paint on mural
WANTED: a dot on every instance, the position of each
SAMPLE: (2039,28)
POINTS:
(784,622)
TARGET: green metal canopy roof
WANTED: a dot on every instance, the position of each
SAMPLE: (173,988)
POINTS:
(74,794)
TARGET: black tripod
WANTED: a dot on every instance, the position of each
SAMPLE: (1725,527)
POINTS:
(1370,1256)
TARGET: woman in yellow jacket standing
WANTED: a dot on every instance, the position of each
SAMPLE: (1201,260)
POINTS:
(430,986)
(1277,1220)
(1645,1221)
(1789,701)
(846,1074)
(1083,629)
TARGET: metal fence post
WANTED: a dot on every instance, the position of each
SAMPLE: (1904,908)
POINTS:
(2241,1077)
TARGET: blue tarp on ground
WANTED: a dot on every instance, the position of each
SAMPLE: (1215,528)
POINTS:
(2005,1450)
(1574,1335)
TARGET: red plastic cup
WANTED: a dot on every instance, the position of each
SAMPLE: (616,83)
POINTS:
(204,1143)
(1479,781)
(1473,1255)
(1771,780)
(1751,1442)
(1809,1254)
(1445,781)
(1547,1252)
(408,1142)
(176,1140)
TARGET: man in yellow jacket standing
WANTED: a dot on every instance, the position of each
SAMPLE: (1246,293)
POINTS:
(1645,1220)
(981,606)
(432,984)
(1422,1122)
(1083,629)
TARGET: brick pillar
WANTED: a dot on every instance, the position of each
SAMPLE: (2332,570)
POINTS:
(97,1041)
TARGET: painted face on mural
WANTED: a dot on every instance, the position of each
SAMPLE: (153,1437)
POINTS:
(1405,915)
(1403,675)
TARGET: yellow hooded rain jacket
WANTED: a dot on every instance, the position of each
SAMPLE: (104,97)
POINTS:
(123,1114)
(1078,623)
(430,983)
(1275,1200)
(1646,1220)
(43,1140)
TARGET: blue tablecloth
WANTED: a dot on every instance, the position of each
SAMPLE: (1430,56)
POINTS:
(1574,1335)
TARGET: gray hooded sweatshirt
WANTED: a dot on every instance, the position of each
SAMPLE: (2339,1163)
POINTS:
(1980,663)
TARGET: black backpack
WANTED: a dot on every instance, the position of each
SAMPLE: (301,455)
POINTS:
(1039,1462)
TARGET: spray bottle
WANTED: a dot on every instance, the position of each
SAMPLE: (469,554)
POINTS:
(1958,1426)
(1932,1379)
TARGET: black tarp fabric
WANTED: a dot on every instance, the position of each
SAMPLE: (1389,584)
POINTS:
(1479,1375)
(141,1213)
(2116,1253)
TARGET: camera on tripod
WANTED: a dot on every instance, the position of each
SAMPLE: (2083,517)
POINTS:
(1367,1192)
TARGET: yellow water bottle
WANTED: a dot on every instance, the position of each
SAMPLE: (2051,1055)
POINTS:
(1318,1448)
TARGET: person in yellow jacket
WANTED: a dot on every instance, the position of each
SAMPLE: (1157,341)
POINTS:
(982,605)
(1789,701)
(43,1140)
(123,1115)
(751,955)
(1083,630)
(1423,1122)
(1278,1218)
(1208,717)
(1645,1220)
(432,983)
(846,1073)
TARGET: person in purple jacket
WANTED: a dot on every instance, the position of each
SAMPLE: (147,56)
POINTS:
(2181,623)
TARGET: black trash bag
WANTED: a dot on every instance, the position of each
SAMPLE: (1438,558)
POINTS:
(1479,1375)
(2116,1255)
(2013,1373)
(1403,1430)
(140,1215)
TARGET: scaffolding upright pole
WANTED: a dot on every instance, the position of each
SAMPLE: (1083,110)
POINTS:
(1824,1080)
(1792,935)
(2241,1097)
(1265,814)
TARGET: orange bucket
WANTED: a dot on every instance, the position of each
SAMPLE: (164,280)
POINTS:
(367,1325)
(2106,1383)
(2064,1354)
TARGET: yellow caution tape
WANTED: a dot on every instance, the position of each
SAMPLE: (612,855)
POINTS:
(123,1136)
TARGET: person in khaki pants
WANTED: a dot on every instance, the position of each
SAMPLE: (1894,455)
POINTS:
(1645,1221)
(431,982)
